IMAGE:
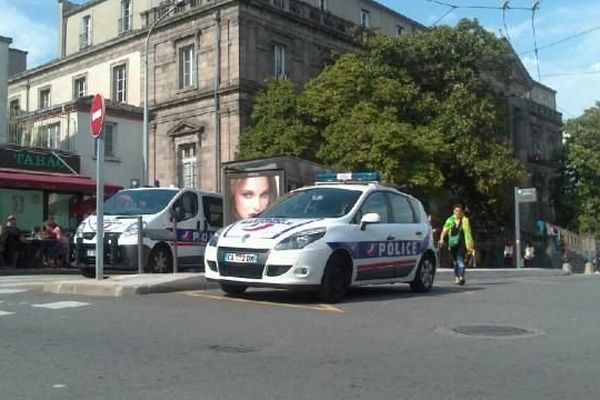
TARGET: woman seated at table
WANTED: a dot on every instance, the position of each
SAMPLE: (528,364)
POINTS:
(56,249)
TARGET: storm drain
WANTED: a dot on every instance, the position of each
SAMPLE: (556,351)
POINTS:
(490,331)
(231,349)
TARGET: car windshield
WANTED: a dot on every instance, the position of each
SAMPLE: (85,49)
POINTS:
(138,202)
(313,203)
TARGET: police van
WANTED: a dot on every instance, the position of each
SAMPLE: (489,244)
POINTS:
(346,230)
(197,216)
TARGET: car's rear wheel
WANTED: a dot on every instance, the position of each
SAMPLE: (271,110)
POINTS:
(335,281)
(161,260)
(232,289)
(425,275)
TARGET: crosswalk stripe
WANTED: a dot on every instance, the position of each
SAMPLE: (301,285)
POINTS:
(57,305)
(3,313)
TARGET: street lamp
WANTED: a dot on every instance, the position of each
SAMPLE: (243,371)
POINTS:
(176,3)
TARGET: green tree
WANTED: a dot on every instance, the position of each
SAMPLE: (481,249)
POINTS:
(582,173)
(425,110)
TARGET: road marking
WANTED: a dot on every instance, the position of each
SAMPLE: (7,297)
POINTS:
(59,386)
(11,291)
(3,313)
(61,304)
(320,307)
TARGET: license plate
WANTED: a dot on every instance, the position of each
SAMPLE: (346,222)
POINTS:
(91,253)
(243,258)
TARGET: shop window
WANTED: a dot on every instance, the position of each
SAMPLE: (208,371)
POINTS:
(59,207)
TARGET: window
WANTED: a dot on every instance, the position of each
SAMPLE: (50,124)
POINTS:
(324,5)
(187,66)
(187,205)
(79,87)
(402,212)
(14,108)
(44,98)
(365,19)
(213,210)
(279,59)
(85,37)
(278,3)
(399,30)
(48,136)
(119,83)
(375,203)
(187,165)
(125,19)
(108,134)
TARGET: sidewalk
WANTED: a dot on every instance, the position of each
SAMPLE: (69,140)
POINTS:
(137,284)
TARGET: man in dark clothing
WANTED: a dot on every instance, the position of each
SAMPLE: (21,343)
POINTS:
(11,236)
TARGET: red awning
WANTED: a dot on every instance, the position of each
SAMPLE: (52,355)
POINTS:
(55,182)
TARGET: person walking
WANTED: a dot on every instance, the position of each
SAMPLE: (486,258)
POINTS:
(529,254)
(460,241)
(508,254)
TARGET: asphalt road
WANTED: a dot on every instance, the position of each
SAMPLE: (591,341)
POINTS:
(519,338)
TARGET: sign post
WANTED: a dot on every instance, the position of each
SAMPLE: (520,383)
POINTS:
(98,113)
(528,195)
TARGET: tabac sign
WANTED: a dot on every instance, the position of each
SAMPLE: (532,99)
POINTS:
(38,160)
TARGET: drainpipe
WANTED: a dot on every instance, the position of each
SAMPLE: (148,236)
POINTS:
(217,121)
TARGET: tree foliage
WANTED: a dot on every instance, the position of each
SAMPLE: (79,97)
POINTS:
(422,109)
(581,178)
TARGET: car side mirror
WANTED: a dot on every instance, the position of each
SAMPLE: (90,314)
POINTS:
(369,218)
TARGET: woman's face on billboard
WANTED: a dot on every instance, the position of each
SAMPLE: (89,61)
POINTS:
(251,196)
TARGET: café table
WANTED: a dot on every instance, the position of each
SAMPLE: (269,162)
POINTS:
(31,252)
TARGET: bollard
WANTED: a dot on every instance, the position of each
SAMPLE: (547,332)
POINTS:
(567,269)
(589,268)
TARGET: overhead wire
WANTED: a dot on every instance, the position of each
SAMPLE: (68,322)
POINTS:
(505,5)
(443,3)
(551,44)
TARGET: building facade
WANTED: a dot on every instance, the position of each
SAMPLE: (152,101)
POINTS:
(206,61)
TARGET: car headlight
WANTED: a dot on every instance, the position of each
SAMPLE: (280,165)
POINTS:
(132,230)
(301,239)
(215,238)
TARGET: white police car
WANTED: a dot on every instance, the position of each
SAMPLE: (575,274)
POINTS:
(346,231)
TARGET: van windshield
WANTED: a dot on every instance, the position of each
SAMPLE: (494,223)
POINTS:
(138,202)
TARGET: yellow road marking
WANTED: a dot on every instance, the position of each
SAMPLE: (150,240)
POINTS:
(320,307)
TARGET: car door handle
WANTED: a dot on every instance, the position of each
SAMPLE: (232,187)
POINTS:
(390,238)
(419,233)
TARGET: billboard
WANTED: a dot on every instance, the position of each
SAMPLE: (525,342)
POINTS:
(246,194)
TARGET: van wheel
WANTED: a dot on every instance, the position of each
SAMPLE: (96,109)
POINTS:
(233,290)
(335,280)
(161,260)
(425,275)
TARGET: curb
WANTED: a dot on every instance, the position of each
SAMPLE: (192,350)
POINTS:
(504,272)
(129,285)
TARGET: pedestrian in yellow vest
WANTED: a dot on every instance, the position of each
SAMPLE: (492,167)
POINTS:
(460,241)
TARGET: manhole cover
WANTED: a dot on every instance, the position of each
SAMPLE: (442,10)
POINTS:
(490,331)
(230,349)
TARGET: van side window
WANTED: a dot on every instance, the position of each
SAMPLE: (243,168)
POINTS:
(188,202)
(213,210)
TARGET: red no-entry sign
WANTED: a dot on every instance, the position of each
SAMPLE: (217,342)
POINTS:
(98,112)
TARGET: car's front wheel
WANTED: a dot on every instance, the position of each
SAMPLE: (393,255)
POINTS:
(425,275)
(335,280)
(233,290)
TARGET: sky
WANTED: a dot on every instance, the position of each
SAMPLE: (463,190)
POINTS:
(567,33)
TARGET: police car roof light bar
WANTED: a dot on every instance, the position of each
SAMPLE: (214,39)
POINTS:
(346,177)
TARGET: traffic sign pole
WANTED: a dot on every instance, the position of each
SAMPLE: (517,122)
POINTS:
(98,113)
(517,229)
(100,209)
